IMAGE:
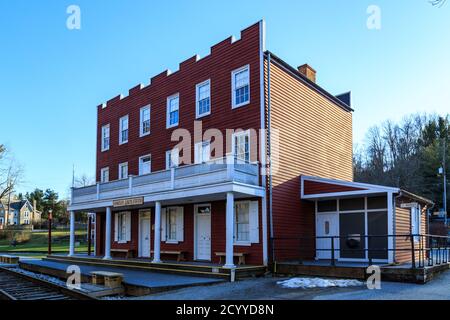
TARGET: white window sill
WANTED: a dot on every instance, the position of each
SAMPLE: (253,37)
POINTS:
(172,126)
(198,116)
(235,106)
(171,242)
(243,244)
(122,242)
(121,143)
(144,134)
(103,150)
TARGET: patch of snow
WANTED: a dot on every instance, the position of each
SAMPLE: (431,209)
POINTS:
(307,283)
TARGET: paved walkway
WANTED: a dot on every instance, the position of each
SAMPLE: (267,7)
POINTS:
(134,277)
(268,289)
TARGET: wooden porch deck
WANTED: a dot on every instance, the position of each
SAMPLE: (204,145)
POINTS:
(196,268)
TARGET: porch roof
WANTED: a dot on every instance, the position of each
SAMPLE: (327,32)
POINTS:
(314,188)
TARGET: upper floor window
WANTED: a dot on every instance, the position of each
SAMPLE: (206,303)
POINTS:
(202,152)
(241,146)
(123,135)
(123,170)
(105,137)
(145,121)
(145,164)
(104,175)
(203,99)
(241,86)
(173,106)
(172,158)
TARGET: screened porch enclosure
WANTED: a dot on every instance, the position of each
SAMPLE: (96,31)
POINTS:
(359,225)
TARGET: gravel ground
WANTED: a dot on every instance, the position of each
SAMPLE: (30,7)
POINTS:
(251,289)
(267,289)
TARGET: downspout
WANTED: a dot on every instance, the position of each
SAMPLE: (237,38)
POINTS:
(269,151)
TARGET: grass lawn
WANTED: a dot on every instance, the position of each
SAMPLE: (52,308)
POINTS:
(39,243)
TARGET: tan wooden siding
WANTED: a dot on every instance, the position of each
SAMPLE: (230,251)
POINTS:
(315,138)
(403,227)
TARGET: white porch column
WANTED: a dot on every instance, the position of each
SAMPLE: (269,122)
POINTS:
(157,245)
(108,234)
(72,234)
(229,231)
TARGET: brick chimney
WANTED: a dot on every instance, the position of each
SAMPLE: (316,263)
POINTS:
(308,72)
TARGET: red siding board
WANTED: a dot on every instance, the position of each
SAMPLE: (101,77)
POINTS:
(314,187)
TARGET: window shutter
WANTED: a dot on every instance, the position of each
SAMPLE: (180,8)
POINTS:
(197,152)
(163,225)
(128,226)
(116,226)
(180,224)
(254,222)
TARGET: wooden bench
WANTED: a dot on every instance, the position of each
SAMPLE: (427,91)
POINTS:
(129,253)
(240,255)
(180,254)
(108,279)
(9,259)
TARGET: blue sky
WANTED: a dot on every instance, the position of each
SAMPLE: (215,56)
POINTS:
(52,78)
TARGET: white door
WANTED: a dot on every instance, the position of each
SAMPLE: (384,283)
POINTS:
(327,225)
(203,236)
(144,235)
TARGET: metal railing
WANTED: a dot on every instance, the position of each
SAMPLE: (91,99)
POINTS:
(418,249)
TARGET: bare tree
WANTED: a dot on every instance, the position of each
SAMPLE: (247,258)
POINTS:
(83,181)
(10,173)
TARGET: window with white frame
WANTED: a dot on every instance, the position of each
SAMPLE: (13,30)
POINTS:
(241,86)
(246,222)
(203,99)
(122,225)
(123,135)
(145,121)
(145,164)
(415,220)
(173,106)
(172,224)
(104,175)
(105,137)
(242,222)
(172,158)
(123,170)
(241,146)
(202,152)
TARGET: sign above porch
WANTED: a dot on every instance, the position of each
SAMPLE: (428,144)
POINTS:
(128,202)
(409,205)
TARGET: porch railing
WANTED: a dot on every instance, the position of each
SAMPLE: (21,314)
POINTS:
(215,171)
(418,249)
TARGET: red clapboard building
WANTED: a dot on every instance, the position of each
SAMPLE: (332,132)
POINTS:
(237,158)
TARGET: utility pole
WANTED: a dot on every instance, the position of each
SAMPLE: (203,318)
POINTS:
(445,182)
(443,172)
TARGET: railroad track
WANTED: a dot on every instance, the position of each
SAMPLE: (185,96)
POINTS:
(18,286)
